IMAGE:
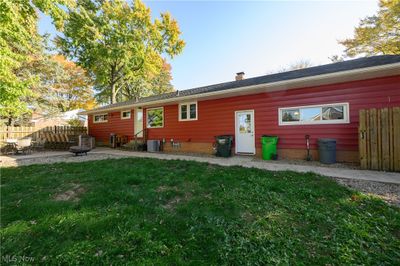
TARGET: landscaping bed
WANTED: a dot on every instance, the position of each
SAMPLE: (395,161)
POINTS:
(149,211)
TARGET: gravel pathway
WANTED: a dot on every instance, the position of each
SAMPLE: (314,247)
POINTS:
(388,192)
(58,158)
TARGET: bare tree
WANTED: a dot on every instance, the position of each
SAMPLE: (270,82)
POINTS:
(300,64)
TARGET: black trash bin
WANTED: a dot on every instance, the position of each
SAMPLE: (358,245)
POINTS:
(327,150)
(224,145)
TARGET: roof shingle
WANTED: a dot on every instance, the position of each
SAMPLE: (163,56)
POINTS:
(289,75)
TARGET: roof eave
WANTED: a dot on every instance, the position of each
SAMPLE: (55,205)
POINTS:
(317,80)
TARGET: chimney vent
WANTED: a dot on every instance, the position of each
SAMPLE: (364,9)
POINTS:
(239,76)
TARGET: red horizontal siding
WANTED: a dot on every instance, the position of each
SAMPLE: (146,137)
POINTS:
(102,131)
(216,117)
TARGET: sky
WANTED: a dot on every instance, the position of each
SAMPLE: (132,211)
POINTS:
(257,37)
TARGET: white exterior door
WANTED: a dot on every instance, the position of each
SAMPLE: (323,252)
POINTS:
(138,126)
(244,132)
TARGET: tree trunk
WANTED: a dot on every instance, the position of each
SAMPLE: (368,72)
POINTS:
(10,121)
(112,85)
(113,93)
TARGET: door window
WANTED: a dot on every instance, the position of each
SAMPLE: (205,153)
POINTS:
(245,123)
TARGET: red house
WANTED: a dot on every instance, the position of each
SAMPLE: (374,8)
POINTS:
(322,101)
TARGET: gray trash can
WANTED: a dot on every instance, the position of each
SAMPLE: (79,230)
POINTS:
(327,150)
(153,145)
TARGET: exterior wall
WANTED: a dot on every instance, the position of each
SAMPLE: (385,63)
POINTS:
(217,117)
(102,131)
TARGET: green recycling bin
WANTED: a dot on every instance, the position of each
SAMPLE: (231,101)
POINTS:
(269,147)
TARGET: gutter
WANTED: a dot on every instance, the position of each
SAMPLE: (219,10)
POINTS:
(270,87)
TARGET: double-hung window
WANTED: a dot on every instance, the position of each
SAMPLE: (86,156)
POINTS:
(155,117)
(100,118)
(126,114)
(188,111)
(335,113)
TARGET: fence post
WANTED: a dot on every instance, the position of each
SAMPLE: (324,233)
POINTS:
(396,138)
(374,139)
(362,140)
(385,145)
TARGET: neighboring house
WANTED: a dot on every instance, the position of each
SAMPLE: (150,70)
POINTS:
(75,114)
(322,101)
(40,120)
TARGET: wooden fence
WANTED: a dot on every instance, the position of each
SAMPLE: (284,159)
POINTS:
(37,133)
(379,139)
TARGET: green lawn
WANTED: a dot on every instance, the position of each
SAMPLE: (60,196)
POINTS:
(147,211)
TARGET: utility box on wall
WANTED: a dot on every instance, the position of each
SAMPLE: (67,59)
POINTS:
(153,145)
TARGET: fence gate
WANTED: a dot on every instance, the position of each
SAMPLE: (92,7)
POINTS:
(379,139)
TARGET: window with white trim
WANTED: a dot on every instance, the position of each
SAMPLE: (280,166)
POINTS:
(335,113)
(188,111)
(126,114)
(100,118)
(155,117)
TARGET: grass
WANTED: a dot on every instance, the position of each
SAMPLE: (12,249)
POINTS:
(147,211)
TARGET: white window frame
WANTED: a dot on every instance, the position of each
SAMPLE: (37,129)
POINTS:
(125,111)
(96,122)
(147,113)
(188,111)
(345,120)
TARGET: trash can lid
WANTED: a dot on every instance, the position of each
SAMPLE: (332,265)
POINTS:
(327,140)
(224,136)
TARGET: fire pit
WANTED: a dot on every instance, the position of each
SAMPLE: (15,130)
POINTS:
(79,150)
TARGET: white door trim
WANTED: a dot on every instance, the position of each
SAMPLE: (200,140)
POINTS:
(254,132)
(137,123)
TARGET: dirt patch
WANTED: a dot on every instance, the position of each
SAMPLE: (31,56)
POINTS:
(72,194)
(248,216)
(166,188)
(135,187)
(211,166)
(171,204)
